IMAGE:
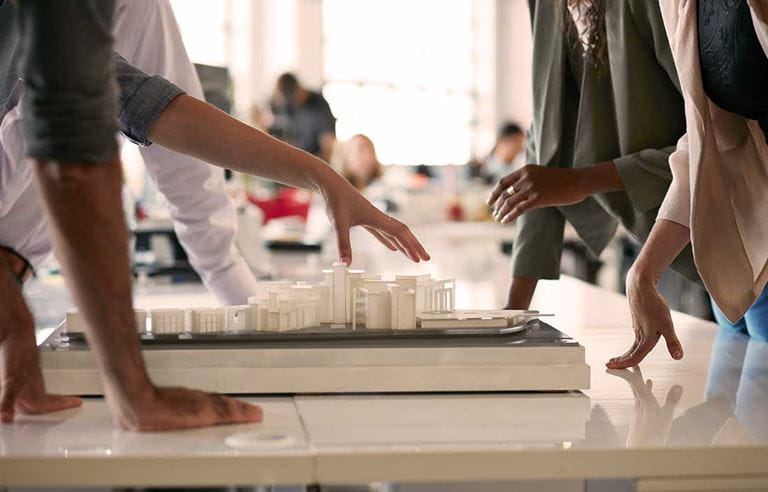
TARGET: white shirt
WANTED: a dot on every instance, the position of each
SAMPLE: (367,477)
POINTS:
(205,219)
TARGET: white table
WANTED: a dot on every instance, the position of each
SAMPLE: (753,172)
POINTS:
(621,428)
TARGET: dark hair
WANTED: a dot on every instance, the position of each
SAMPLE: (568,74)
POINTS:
(510,129)
(287,84)
(594,17)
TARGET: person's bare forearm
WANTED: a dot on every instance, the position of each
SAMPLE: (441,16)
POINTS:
(521,292)
(666,240)
(88,226)
(600,178)
(192,127)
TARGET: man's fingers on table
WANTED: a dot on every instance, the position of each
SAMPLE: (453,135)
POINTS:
(231,411)
(52,403)
(7,404)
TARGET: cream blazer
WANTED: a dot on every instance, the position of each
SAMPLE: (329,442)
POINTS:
(720,174)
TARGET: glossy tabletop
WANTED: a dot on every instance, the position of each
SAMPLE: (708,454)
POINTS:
(705,416)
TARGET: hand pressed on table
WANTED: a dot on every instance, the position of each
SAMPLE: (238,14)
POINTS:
(651,319)
(21,380)
(163,409)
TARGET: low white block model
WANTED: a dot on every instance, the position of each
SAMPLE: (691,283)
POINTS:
(168,321)
(141,320)
(75,322)
(206,320)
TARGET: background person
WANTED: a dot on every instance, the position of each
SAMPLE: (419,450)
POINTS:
(359,163)
(83,201)
(302,117)
(607,115)
(507,154)
(718,200)
(205,218)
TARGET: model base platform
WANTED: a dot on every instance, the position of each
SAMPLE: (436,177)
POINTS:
(532,357)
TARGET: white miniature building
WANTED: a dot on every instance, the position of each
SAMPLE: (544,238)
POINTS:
(205,320)
(344,298)
(168,321)
(141,320)
(75,322)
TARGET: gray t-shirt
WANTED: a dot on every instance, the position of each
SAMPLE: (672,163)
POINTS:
(303,126)
(142,97)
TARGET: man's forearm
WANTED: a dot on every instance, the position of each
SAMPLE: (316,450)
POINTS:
(192,127)
(84,201)
(521,292)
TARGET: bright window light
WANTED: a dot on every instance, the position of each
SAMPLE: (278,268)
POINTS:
(204,27)
(400,71)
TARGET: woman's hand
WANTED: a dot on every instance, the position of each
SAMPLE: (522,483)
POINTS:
(651,320)
(535,187)
(228,143)
(347,208)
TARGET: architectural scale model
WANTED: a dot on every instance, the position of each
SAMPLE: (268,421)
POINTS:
(344,299)
(350,332)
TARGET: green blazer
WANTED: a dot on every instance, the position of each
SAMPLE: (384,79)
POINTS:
(630,112)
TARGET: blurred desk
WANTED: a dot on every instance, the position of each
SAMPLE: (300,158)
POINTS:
(702,420)
(168,258)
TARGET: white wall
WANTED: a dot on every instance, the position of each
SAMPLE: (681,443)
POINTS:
(267,37)
(514,58)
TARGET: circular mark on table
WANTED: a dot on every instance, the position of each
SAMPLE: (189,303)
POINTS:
(259,440)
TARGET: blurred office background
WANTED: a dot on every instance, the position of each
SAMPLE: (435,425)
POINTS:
(422,104)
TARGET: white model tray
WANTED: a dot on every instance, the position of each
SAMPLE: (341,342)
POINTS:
(539,358)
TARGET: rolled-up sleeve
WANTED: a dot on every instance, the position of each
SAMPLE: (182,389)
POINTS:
(70,97)
(646,176)
(143,98)
(538,244)
(677,204)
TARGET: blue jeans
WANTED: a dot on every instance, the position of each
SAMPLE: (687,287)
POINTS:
(755,321)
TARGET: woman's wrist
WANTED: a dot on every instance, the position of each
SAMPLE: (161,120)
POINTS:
(641,275)
(325,180)
(600,178)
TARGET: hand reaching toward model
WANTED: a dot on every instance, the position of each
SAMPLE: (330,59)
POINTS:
(347,208)
(226,142)
(535,187)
